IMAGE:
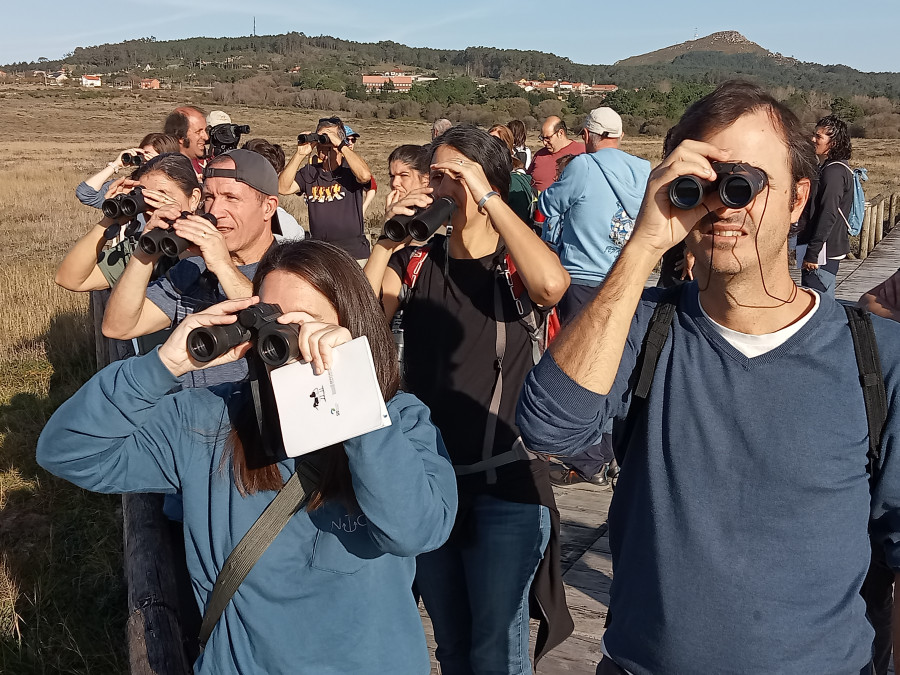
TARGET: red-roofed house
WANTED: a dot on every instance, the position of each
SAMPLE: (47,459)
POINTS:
(91,81)
(151,83)
(375,83)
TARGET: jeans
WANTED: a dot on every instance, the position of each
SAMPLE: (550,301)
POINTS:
(822,279)
(475,587)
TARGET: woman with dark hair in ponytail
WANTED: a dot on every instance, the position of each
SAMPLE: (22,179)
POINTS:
(825,232)
(331,592)
(165,179)
(469,321)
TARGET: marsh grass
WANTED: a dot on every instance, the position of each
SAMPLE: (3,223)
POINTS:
(62,598)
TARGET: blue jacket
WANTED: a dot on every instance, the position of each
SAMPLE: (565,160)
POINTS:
(590,211)
(738,528)
(91,197)
(332,594)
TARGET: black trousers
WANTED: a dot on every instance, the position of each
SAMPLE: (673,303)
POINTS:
(878,592)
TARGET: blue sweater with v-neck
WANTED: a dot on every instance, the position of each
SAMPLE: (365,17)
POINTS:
(739,526)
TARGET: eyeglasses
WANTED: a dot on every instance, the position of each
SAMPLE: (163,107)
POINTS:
(547,138)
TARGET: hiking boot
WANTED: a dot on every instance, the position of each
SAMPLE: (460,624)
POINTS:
(563,476)
(612,473)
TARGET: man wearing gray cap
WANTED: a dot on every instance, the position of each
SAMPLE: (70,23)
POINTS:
(590,213)
(241,190)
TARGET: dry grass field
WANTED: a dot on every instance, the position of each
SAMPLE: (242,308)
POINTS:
(62,601)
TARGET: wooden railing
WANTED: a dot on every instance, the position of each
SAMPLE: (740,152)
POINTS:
(156,644)
(881,217)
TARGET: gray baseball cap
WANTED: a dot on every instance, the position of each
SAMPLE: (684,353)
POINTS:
(250,168)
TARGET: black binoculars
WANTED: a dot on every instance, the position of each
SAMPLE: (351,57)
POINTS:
(423,224)
(132,160)
(737,184)
(225,137)
(275,343)
(322,139)
(128,205)
(166,241)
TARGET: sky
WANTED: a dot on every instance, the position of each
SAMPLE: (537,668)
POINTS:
(591,33)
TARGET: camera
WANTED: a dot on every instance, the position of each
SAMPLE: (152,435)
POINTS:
(424,223)
(132,160)
(225,137)
(275,343)
(127,205)
(166,241)
(321,139)
(737,184)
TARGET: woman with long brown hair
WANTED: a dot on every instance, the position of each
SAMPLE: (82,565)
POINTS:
(332,591)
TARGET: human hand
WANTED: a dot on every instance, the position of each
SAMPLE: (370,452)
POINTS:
(660,225)
(888,293)
(316,339)
(120,186)
(809,267)
(156,199)
(174,353)
(206,239)
(406,205)
(469,173)
(334,137)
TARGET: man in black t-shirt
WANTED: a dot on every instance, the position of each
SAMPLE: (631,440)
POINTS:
(333,183)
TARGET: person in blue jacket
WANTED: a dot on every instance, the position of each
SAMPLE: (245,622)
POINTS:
(332,593)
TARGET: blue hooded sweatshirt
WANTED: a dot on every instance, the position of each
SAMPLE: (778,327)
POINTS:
(590,211)
(332,593)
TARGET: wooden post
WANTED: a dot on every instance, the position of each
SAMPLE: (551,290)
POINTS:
(873,210)
(892,211)
(864,234)
(879,218)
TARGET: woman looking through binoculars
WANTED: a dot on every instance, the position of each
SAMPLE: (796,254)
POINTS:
(165,180)
(341,569)
(468,346)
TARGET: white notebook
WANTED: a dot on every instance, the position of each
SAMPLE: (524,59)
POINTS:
(319,410)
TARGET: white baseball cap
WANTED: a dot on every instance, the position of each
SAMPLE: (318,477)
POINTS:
(604,121)
(218,117)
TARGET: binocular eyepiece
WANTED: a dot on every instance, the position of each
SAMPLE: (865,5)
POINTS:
(166,241)
(423,224)
(132,160)
(275,343)
(322,139)
(737,184)
(127,205)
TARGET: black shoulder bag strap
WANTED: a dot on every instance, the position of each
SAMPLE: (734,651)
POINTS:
(252,545)
(871,380)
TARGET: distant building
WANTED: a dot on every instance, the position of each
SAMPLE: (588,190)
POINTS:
(91,81)
(376,83)
(150,83)
(566,87)
(56,78)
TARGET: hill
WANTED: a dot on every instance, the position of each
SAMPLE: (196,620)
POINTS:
(725,42)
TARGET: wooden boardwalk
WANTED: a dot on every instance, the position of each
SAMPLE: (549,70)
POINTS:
(585,547)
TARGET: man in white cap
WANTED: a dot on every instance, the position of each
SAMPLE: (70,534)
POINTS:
(590,214)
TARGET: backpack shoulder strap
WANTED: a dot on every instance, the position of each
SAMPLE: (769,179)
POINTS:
(414,266)
(871,380)
(249,550)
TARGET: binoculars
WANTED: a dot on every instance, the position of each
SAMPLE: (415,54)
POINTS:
(423,224)
(128,205)
(737,184)
(132,160)
(225,137)
(313,138)
(275,343)
(166,241)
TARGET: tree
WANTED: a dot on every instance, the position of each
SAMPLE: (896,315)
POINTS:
(847,111)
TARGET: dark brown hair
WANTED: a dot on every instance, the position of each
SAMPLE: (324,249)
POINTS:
(162,143)
(517,127)
(841,148)
(177,123)
(414,156)
(734,99)
(174,166)
(333,273)
(505,135)
(271,151)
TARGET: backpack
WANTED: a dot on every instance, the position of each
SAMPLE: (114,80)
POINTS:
(865,347)
(522,196)
(541,329)
(854,219)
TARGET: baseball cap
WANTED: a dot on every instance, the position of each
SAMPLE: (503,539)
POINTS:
(218,117)
(348,132)
(604,121)
(250,168)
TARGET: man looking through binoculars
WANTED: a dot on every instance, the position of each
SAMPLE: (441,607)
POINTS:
(241,190)
(333,183)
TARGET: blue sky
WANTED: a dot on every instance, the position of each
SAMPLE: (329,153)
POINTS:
(590,32)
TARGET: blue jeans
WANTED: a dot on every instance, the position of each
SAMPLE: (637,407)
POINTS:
(475,587)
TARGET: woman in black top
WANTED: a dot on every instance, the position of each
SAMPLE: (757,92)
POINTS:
(829,207)
(459,316)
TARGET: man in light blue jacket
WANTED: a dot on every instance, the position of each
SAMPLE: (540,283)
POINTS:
(590,213)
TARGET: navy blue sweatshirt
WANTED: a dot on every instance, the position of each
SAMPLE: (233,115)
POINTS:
(738,528)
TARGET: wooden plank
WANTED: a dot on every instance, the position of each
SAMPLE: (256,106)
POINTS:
(879,225)
(881,263)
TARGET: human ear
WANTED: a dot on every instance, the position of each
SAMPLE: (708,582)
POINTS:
(801,195)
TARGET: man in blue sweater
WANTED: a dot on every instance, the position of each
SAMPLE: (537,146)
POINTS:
(590,214)
(739,528)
